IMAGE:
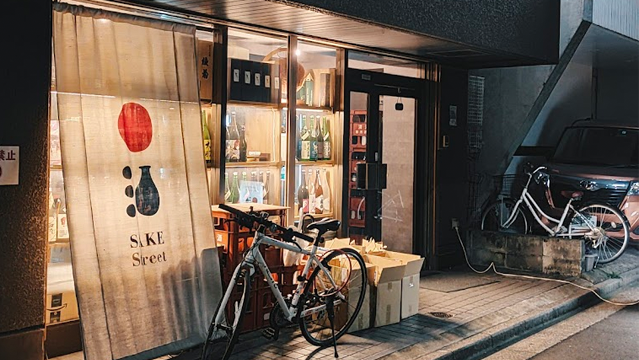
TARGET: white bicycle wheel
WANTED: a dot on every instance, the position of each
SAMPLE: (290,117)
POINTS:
(605,231)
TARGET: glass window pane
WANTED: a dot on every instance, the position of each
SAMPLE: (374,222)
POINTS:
(316,132)
(255,125)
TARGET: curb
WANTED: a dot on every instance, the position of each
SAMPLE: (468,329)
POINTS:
(514,330)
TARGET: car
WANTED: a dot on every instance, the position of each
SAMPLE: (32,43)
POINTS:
(601,160)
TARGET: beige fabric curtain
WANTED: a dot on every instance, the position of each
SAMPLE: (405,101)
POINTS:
(139,216)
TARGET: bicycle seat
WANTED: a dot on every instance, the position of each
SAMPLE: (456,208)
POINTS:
(325,225)
(572,194)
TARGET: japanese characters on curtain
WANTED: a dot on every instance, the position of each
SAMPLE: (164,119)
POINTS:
(139,216)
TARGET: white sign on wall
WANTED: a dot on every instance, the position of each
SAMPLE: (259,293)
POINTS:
(9,165)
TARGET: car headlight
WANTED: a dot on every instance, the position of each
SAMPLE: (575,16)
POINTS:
(634,188)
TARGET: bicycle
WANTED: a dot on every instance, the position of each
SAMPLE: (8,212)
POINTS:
(324,304)
(604,228)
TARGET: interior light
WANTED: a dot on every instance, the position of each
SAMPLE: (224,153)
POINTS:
(297,52)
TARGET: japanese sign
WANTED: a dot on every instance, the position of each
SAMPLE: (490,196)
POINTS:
(205,68)
(9,165)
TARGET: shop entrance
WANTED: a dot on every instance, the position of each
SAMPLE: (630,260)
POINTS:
(382,112)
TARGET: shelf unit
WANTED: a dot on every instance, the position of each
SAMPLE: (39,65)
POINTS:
(357,154)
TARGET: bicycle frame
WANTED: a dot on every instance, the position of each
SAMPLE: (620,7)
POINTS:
(535,209)
(254,256)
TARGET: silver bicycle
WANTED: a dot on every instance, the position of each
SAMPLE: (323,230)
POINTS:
(604,228)
(328,297)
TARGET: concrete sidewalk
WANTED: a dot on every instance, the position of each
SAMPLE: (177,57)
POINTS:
(462,315)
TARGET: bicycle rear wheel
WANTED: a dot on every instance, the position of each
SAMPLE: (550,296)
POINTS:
(496,215)
(348,271)
(610,235)
(221,337)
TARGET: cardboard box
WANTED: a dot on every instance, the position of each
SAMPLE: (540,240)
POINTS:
(61,307)
(410,280)
(363,319)
(337,243)
(387,292)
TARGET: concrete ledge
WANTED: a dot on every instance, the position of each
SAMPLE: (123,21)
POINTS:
(534,253)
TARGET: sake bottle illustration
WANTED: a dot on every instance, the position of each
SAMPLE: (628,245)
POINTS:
(147,197)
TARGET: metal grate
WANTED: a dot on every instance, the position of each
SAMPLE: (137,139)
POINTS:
(475,113)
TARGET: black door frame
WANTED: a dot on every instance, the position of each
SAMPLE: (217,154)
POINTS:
(376,84)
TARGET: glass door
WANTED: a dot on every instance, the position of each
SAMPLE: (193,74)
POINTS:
(395,204)
(382,118)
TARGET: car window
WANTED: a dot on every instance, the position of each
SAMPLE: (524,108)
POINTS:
(598,146)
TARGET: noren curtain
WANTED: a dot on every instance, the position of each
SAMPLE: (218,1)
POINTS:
(137,201)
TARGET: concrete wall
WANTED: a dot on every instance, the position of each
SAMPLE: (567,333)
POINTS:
(510,94)
(621,16)
(23,229)
(618,94)
(525,27)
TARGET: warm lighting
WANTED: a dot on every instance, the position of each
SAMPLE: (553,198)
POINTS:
(297,52)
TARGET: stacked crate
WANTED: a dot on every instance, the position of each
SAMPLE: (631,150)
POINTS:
(234,240)
(357,154)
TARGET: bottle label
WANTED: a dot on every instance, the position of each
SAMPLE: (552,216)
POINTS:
(326,136)
(232,150)
(305,205)
(327,150)
(320,151)
(305,136)
(313,150)
(63,230)
(327,204)
(207,150)
(306,150)
(319,204)
(53,229)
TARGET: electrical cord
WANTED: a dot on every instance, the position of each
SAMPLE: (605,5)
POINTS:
(492,265)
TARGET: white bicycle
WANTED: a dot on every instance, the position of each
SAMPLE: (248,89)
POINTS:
(327,299)
(604,228)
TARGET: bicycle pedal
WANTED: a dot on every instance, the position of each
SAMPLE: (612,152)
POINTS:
(271,333)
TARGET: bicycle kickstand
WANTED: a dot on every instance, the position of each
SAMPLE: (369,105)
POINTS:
(330,310)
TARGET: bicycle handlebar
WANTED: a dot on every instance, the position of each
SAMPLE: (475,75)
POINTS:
(529,166)
(249,219)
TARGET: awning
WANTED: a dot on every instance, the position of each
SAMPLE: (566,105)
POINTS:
(468,34)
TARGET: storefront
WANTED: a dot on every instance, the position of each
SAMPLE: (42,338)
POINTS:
(314,125)
(286,122)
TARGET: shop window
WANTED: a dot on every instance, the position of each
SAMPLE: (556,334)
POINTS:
(318,135)
(254,150)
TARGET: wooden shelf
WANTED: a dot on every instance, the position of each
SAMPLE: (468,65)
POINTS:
(252,164)
(255,103)
(315,162)
(314,108)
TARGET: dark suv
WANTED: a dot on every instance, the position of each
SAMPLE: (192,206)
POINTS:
(600,159)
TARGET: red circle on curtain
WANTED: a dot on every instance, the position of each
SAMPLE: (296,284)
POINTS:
(135,127)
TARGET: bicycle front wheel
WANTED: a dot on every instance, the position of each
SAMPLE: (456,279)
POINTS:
(605,230)
(496,217)
(348,272)
(222,336)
